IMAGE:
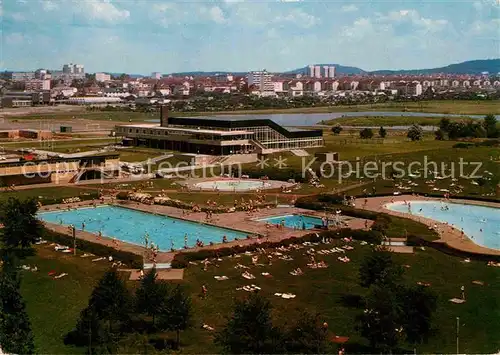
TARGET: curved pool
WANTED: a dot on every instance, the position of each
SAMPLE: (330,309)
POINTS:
(480,223)
(232,185)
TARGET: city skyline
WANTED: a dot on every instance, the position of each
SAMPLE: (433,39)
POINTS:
(144,37)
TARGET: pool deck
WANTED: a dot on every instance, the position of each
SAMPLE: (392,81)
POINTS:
(242,221)
(448,235)
(271,184)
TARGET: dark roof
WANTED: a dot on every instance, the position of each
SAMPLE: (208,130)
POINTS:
(242,122)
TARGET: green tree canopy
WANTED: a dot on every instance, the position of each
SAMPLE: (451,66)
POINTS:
(382,132)
(177,312)
(415,133)
(151,295)
(15,328)
(21,227)
(250,329)
(366,133)
(378,267)
(307,336)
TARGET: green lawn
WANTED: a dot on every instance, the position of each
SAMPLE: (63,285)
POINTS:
(388,121)
(46,193)
(322,290)
(466,107)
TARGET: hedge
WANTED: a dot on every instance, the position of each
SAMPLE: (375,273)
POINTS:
(182,259)
(132,260)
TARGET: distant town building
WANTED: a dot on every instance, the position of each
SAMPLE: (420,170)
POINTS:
(262,81)
(37,85)
(311,71)
(331,72)
(102,77)
(23,76)
(75,71)
(317,71)
(156,75)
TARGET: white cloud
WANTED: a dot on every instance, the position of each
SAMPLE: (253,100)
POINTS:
(14,38)
(103,10)
(349,8)
(479,28)
(48,5)
(299,18)
(216,14)
(414,18)
(17,16)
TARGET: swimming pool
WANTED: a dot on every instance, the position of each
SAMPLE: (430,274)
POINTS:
(481,224)
(232,185)
(294,221)
(131,226)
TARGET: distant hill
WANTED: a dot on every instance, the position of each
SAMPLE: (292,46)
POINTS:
(206,73)
(469,67)
(339,69)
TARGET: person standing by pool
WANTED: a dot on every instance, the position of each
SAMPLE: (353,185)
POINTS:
(83,226)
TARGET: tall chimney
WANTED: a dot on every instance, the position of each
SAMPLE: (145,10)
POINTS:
(163,116)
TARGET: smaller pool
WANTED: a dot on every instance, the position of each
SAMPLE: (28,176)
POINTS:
(232,185)
(294,221)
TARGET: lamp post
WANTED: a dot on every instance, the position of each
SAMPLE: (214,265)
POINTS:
(73,231)
(458,333)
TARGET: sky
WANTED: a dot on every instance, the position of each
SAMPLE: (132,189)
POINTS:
(144,36)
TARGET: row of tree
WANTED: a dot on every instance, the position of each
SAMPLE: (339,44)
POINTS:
(486,128)
(20,230)
(113,312)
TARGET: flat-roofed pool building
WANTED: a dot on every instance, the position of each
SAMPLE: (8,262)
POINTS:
(219,135)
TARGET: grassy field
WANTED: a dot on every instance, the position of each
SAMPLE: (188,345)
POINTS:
(388,121)
(63,145)
(56,192)
(325,291)
(466,107)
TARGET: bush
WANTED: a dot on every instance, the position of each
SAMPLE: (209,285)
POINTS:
(130,259)
(415,133)
(366,133)
(463,145)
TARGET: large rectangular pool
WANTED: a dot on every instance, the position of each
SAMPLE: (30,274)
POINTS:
(131,226)
(294,221)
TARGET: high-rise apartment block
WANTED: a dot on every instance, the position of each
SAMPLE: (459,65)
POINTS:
(156,75)
(262,80)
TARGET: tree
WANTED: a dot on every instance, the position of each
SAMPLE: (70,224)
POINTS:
(490,126)
(439,135)
(366,133)
(21,227)
(415,133)
(250,329)
(151,296)
(337,129)
(176,313)
(378,267)
(307,336)
(15,328)
(444,124)
(418,305)
(380,323)
(110,299)
(382,132)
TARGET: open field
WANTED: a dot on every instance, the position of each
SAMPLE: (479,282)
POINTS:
(465,107)
(46,193)
(389,121)
(325,291)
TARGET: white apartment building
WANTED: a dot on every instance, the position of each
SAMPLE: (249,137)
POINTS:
(331,72)
(317,71)
(37,85)
(262,80)
(102,77)
(74,70)
(156,75)
(23,76)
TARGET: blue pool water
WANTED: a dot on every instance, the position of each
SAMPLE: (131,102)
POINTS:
(294,221)
(131,226)
(480,223)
